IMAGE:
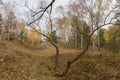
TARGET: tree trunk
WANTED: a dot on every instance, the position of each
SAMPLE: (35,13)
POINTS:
(56,55)
(56,58)
(75,37)
(82,28)
(98,39)
(93,44)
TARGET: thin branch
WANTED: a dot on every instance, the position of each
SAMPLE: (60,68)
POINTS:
(110,13)
(42,12)
(69,63)
(29,7)
(40,33)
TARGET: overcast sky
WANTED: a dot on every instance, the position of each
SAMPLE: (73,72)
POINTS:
(19,4)
(20,9)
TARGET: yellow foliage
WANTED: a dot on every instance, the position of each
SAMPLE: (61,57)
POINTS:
(106,36)
(34,36)
(62,22)
(21,25)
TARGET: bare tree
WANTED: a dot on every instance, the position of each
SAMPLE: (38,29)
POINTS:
(105,22)
(42,11)
(9,23)
(50,25)
(96,27)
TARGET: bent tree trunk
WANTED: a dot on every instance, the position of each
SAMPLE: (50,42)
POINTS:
(56,55)
(71,62)
(54,45)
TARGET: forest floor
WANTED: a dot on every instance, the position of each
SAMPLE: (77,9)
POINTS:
(20,63)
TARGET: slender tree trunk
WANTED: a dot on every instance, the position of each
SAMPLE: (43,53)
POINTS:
(98,39)
(82,28)
(56,58)
(1,35)
(93,44)
(56,55)
(81,41)
(75,37)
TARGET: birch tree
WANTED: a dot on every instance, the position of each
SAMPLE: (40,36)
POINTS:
(99,20)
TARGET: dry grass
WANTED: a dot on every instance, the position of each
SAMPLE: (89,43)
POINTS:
(20,63)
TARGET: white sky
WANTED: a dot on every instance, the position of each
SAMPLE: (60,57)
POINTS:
(20,8)
(34,2)
(62,2)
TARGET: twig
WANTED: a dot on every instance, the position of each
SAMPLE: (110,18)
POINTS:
(42,12)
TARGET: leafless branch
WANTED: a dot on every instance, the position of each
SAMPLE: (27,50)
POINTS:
(42,12)
(29,7)
(110,13)
(71,62)
(39,32)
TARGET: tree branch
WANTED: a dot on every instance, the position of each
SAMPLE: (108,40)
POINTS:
(69,63)
(29,7)
(42,12)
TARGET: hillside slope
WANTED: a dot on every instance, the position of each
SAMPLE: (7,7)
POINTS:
(20,63)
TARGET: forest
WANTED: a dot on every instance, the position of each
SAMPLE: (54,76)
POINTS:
(59,40)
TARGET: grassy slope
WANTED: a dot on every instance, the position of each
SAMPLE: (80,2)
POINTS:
(20,63)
